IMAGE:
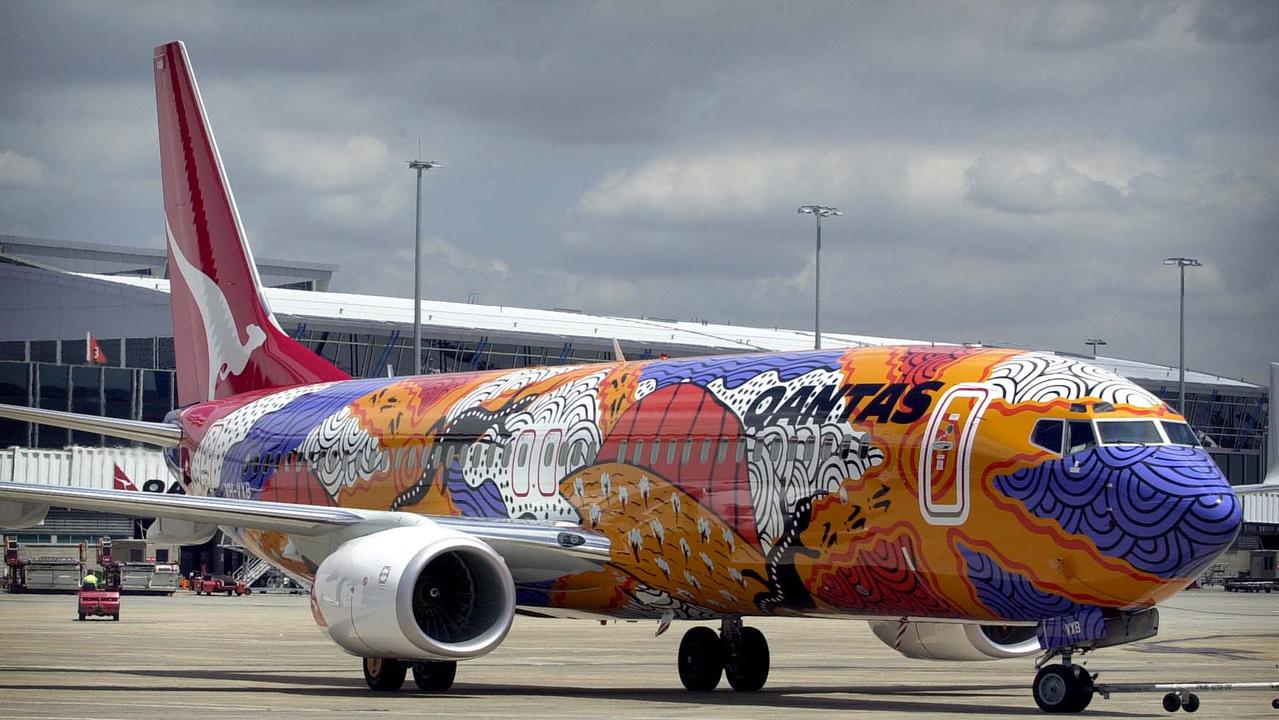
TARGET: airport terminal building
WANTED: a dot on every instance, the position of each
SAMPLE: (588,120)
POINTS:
(55,293)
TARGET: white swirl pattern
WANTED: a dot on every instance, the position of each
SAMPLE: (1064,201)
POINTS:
(210,456)
(1040,377)
(341,452)
(795,463)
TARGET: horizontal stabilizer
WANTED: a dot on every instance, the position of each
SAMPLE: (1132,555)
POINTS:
(152,433)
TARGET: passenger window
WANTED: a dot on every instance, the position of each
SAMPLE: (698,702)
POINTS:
(1123,432)
(578,460)
(1179,433)
(791,449)
(523,456)
(688,451)
(548,457)
(705,454)
(492,454)
(639,452)
(1080,436)
(504,456)
(671,447)
(722,455)
(1048,435)
(451,457)
(654,452)
(801,450)
(564,448)
(741,450)
(621,451)
(436,452)
(411,461)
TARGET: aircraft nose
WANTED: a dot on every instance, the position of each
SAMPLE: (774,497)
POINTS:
(1166,510)
(1178,508)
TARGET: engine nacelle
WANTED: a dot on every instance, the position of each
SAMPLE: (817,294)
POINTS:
(420,592)
(956,641)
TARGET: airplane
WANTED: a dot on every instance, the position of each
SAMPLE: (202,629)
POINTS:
(969,503)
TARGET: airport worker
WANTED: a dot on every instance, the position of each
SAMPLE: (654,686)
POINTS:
(90,581)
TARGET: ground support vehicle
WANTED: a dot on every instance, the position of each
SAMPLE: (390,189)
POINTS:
(99,603)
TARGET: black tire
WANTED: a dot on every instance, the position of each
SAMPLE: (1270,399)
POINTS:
(1171,702)
(750,672)
(434,676)
(1191,704)
(115,618)
(81,617)
(701,659)
(1062,689)
(384,674)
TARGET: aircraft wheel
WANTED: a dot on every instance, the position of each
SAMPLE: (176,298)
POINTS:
(1191,704)
(434,676)
(747,670)
(701,659)
(1062,689)
(1171,702)
(384,674)
(82,617)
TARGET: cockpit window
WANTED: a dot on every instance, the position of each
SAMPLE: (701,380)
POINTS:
(1179,433)
(1080,436)
(1129,432)
(1048,435)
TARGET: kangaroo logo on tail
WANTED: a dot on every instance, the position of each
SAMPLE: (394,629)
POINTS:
(227,355)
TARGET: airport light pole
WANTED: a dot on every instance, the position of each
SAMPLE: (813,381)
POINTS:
(1182,263)
(1094,342)
(419,166)
(818,212)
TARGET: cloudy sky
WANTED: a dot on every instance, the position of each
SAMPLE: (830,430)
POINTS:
(1009,172)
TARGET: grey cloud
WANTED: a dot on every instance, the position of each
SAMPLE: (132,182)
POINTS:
(1237,21)
(648,158)
(1020,184)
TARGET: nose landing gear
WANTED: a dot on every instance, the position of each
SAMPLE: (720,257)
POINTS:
(1063,688)
(738,652)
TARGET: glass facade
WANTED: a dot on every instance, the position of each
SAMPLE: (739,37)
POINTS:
(136,394)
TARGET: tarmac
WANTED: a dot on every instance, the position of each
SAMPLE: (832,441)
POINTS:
(262,655)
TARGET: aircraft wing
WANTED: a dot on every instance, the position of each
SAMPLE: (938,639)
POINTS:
(524,545)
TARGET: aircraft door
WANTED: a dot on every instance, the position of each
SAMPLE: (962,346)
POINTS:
(945,454)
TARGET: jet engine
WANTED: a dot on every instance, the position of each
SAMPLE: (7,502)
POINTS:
(420,592)
(956,641)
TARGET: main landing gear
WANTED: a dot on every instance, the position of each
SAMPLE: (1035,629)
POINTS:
(386,675)
(736,651)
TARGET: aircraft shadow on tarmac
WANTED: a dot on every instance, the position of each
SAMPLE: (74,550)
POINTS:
(965,699)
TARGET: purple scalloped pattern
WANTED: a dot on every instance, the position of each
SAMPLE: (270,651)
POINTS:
(1010,595)
(1163,509)
(735,370)
(485,500)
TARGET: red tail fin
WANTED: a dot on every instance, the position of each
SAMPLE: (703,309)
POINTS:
(226,339)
